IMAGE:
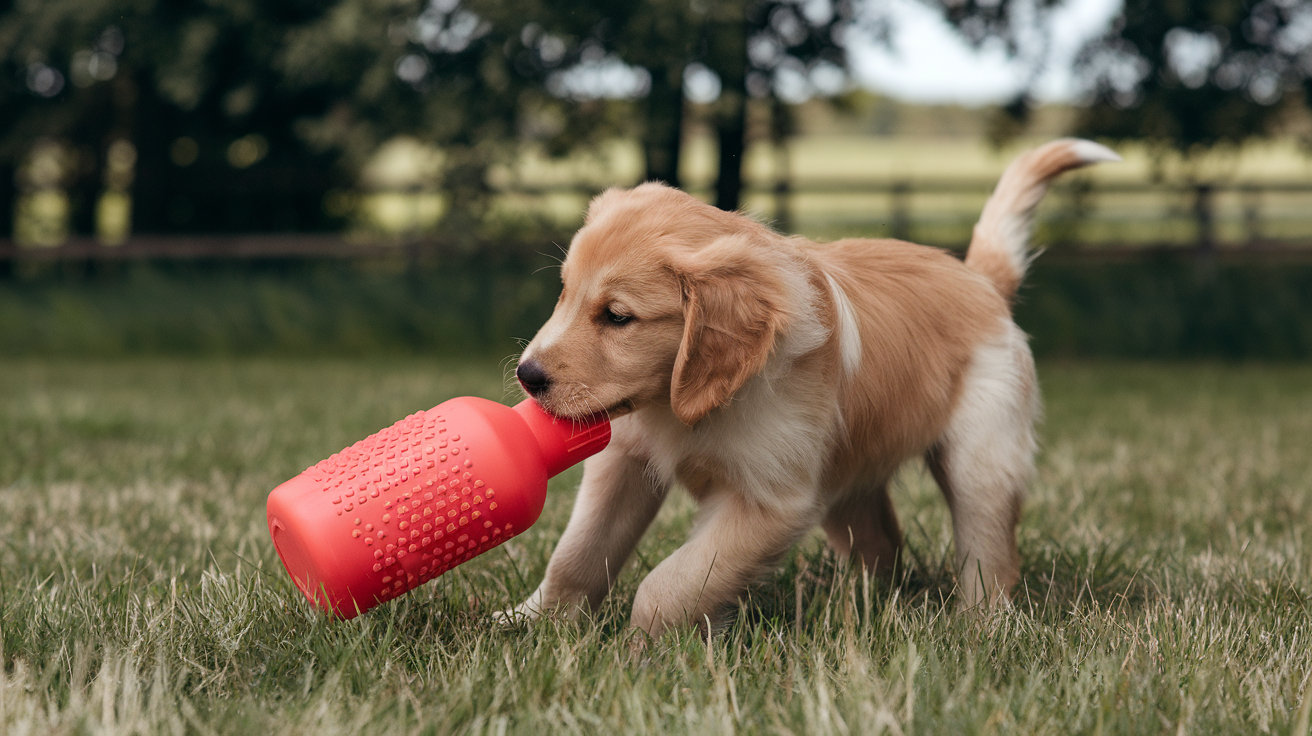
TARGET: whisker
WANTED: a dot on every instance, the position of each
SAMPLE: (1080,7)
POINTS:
(558,260)
(601,408)
(509,383)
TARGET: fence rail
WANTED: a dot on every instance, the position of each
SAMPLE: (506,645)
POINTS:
(1080,218)
(936,186)
(201,247)
(297,247)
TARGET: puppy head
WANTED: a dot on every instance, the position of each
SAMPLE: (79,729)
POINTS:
(665,300)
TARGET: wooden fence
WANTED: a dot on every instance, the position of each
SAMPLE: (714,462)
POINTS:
(1080,217)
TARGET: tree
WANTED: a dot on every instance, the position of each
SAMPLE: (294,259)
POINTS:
(780,49)
(245,115)
(469,79)
(1191,76)
(1182,76)
(193,86)
(765,49)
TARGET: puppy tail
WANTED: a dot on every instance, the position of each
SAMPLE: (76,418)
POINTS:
(999,248)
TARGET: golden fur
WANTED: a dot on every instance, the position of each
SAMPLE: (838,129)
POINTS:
(782,382)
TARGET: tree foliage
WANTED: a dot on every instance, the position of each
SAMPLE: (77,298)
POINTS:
(245,114)
(197,87)
(1189,75)
(1183,75)
(782,49)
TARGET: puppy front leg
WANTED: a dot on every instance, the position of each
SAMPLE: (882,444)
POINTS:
(733,542)
(615,504)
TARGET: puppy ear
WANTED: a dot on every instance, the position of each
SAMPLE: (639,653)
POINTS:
(733,308)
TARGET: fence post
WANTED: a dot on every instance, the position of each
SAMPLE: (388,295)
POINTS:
(901,196)
(1204,216)
(1205,219)
(1252,214)
(783,213)
(782,128)
(783,187)
(8,199)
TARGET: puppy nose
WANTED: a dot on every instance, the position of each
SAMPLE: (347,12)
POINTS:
(532,377)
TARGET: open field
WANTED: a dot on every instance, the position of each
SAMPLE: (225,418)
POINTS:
(832,174)
(1167,576)
(866,167)
(925,188)
(925,180)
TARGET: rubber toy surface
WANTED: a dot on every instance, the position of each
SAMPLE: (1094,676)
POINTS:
(401,507)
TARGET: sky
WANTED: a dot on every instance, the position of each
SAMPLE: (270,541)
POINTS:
(929,63)
(926,61)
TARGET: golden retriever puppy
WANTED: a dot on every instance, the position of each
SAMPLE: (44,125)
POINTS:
(782,382)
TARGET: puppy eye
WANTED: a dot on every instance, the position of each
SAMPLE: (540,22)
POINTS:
(615,318)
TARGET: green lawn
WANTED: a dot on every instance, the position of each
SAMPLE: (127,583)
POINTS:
(1167,576)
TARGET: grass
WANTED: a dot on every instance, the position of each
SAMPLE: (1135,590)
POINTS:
(1167,576)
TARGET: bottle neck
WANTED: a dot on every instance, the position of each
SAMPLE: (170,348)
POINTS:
(564,442)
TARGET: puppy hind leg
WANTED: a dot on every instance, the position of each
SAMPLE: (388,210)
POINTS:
(863,527)
(983,464)
(984,529)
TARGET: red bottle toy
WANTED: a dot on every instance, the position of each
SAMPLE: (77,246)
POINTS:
(401,507)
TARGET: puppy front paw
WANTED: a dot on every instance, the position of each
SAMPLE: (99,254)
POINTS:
(527,612)
(655,611)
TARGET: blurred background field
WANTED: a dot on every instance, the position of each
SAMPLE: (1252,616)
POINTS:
(924,178)
(362,177)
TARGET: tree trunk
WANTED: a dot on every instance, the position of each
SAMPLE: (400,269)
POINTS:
(84,191)
(8,199)
(731,131)
(153,186)
(464,182)
(663,138)
(782,128)
(90,139)
(727,55)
